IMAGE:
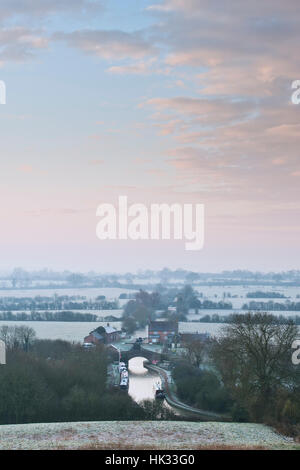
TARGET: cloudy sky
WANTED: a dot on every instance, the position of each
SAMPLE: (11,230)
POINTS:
(185,101)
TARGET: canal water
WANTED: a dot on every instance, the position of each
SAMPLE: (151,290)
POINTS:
(142,384)
(141,380)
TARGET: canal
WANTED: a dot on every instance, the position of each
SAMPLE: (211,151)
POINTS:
(142,384)
(142,387)
(141,380)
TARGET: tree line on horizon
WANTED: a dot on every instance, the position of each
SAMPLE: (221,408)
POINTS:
(21,278)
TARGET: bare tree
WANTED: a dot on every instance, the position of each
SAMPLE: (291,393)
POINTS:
(254,358)
(16,337)
(25,336)
(195,351)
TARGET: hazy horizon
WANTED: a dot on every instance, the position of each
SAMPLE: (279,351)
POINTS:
(139,272)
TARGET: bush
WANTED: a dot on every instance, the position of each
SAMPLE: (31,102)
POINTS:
(155,410)
(200,388)
(239,414)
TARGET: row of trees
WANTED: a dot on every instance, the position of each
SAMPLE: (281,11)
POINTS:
(265,295)
(177,274)
(68,385)
(56,303)
(271,305)
(64,315)
(17,337)
(216,318)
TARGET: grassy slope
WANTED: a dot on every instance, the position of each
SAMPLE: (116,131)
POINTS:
(142,435)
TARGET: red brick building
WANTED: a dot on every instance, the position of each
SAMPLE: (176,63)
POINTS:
(162,332)
(103,334)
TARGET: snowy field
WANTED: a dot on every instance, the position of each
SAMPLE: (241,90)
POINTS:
(141,435)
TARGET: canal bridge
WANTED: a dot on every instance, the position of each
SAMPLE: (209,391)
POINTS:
(126,351)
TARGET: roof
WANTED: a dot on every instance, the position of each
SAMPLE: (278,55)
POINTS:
(96,335)
(108,329)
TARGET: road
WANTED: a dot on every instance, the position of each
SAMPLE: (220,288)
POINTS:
(175,402)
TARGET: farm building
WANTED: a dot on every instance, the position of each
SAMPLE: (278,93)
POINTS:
(103,334)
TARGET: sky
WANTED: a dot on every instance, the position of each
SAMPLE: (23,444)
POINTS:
(164,101)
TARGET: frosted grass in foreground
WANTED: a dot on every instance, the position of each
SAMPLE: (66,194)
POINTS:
(150,434)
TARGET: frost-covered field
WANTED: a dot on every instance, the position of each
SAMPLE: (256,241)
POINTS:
(140,434)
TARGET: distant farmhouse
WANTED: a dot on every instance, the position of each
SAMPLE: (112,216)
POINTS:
(103,335)
(167,332)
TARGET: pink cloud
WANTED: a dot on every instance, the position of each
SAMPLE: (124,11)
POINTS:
(96,162)
(26,168)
